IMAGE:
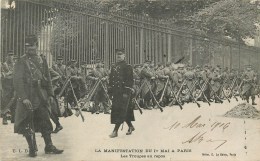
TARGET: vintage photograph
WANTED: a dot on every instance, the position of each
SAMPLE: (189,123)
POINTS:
(130,80)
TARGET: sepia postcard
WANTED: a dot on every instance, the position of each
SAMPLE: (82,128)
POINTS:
(130,80)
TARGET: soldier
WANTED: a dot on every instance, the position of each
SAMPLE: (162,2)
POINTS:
(167,72)
(204,79)
(100,96)
(249,79)
(60,68)
(121,91)
(34,91)
(54,107)
(7,84)
(78,83)
(189,76)
(160,82)
(215,84)
(147,77)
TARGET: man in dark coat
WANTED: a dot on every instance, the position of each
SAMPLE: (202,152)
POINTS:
(121,91)
(33,86)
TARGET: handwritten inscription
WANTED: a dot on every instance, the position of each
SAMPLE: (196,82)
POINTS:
(201,136)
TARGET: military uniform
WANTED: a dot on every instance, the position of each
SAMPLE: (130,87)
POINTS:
(148,78)
(189,76)
(33,85)
(160,82)
(78,84)
(121,91)
(100,95)
(8,102)
(249,79)
(215,83)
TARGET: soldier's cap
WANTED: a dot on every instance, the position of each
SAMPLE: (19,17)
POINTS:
(15,57)
(98,60)
(160,64)
(216,69)
(10,52)
(181,66)
(168,63)
(248,66)
(73,60)
(197,67)
(31,40)
(206,65)
(120,51)
(59,57)
(147,61)
(137,66)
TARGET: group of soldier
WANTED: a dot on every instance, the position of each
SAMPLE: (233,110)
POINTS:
(28,83)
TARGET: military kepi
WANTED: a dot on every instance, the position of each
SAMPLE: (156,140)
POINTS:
(120,51)
(30,40)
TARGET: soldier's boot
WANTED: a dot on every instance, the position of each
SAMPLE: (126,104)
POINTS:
(114,133)
(58,128)
(49,147)
(32,145)
(5,120)
(253,101)
(130,129)
(247,99)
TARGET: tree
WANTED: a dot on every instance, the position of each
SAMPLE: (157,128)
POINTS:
(233,18)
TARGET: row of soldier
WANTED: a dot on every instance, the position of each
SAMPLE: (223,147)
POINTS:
(156,86)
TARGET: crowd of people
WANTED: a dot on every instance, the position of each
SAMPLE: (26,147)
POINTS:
(84,88)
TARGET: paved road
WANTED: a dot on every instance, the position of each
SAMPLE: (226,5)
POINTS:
(203,131)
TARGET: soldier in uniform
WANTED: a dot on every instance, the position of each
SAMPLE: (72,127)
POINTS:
(147,77)
(189,76)
(249,79)
(205,77)
(160,82)
(215,84)
(55,77)
(34,91)
(78,83)
(121,91)
(60,68)
(8,89)
(100,97)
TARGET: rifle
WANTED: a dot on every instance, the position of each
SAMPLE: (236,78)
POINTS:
(193,96)
(139,108)
(232,87)
(202,92)
(105,89)
(175,97)
(178,93)
(32,130)
(91,93)
(78,109)
(213,90)
(157,103)
(164,89)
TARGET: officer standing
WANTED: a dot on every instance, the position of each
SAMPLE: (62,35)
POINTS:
(121,91)
(34,91)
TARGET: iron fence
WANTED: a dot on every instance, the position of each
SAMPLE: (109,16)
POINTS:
(85,34)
